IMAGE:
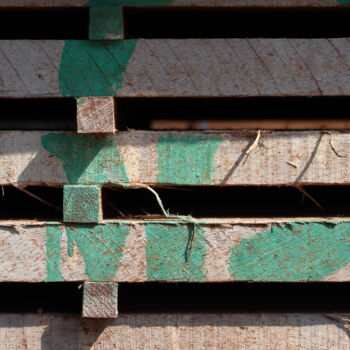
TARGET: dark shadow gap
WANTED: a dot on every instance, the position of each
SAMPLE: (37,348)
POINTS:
(65,297)
(228,202)
(279,113)
(44,23)
(234,297)
(192,22)
(31,203)
(58,114)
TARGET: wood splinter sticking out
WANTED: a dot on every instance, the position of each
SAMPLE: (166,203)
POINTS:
(100,300)
(96,115)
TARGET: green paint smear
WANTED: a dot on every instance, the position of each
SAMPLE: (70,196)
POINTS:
(128,2)
(187,159)
(293,252)
(101,247)
(343,2)
(175,252)
(53,253)
(87,158)
(94,68)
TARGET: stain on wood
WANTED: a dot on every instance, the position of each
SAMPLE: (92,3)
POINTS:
(100,300)
(95,115)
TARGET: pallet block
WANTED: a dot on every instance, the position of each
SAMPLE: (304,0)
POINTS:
(182,67)
(96,115)
(82,204)
(106,23)
(100,300)
(207,250)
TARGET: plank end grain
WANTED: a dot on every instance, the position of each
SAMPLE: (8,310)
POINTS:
(96,115)
(100,300)
(82,204)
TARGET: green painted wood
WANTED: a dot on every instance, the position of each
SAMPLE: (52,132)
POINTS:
(106,23)
(82,203)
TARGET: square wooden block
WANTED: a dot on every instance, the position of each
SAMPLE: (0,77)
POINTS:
(96,115)
(82,204)
(100,300)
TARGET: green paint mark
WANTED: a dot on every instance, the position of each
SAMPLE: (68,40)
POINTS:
(167,252)
(187,159)
(293,252)
(94,68)
(128,2)
(343,2)
(106,22)
(87,158)
(82,203)
(101,247)
(53,253)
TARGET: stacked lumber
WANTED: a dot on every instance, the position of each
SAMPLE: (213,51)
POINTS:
(86,247)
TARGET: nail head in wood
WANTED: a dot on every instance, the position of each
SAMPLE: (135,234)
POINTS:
(82,204)
(106,23)
(96,115)
(100,300)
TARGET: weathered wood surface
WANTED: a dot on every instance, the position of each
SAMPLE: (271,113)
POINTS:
(187,158)
(96,115)
(175,67)
(100,300)
(224,3)
(176,331)
(275,250)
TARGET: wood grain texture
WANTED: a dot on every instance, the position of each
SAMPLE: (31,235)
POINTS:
(212,250)
(197,158)
(96,115)
(261,331)
(182,67)
(224,3)
(100,300)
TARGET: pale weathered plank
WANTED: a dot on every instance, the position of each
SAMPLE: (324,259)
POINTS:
(224,3)
(203,331)
(176,67)
(207,250)
(95,115)
(100,300)
(187,158)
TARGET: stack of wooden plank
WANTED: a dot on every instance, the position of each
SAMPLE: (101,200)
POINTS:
(86,247)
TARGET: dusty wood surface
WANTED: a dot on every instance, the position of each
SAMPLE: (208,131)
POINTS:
(100,300)
(175,331)
(189,67)
(197,158)
(284,250)
(234,3)
(95,115)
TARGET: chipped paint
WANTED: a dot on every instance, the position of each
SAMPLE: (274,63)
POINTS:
(187,159)
(87,158)
(292,252)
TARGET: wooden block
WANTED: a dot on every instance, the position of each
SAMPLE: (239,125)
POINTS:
(106,23)
(221,250)
(82,204)
(177,158)
(200,67)
(96,115)
(197,3)
(100,300)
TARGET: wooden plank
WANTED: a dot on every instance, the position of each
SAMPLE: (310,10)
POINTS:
(176,331)
(182,67)
(178,158)
(106,23)
(82,203)
(95,115)
(223,3)
(100,300)
(208,250)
